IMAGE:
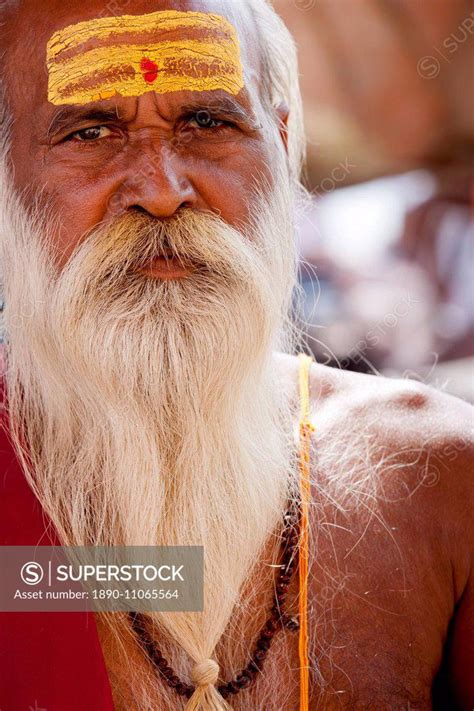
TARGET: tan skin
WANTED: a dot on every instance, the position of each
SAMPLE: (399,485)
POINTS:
(391,593)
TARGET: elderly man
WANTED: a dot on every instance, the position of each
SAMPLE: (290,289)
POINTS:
(151,155)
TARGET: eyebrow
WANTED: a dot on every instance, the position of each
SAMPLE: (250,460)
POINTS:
(70,116)
(227,106)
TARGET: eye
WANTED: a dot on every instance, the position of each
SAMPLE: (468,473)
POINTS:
(203,119)
(94,133)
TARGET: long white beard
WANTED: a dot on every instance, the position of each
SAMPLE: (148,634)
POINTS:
(150,412)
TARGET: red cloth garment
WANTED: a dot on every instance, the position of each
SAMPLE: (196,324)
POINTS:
(49,661)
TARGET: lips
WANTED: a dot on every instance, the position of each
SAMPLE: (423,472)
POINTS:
(166,265)
(172,257)
(163,254)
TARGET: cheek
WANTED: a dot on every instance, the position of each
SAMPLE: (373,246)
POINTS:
(228,186)
(75,197)
(78,206)
(80,209)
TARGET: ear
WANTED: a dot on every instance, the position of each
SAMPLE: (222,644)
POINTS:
(283,112)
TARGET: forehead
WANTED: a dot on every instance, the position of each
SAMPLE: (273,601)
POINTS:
(41,39)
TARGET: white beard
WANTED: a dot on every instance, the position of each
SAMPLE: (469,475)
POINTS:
(151,411)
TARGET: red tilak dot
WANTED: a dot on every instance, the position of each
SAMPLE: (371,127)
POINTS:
(149,69)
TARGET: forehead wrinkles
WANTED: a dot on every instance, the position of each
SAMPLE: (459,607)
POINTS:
(22,66)
(164,51)
(25,59)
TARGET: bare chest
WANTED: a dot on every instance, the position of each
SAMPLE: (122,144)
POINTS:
(363,656)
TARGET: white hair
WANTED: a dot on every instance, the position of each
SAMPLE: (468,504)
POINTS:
(189,401)
(280,81)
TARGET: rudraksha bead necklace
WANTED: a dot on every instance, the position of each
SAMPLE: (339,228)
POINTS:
(275,622)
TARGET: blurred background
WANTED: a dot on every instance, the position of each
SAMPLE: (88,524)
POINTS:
(387,245)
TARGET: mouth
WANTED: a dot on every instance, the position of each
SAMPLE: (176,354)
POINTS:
(166,266)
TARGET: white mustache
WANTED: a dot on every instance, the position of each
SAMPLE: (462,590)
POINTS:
(200,240)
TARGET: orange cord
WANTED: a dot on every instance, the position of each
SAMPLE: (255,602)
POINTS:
(305,430)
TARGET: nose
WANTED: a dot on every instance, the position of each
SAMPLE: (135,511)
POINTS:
(157,183)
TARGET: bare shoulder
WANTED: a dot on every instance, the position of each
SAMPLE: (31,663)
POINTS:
(396,456)
(370,397)
(394,451)
(395,414)
(393,445)
(393,531)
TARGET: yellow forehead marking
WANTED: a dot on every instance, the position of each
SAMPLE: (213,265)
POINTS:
(130,55)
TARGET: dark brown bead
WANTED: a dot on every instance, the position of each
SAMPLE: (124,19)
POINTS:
(284,578)
(263,644)
(282,587)
(181,689)
(260,654)
(232,688)
(189,691)
(243,680)
(272,625)
(223,691)
(268,634)
(251,672)
(173,681)
(162,664)
(253,666)
(152,649)
(292,541)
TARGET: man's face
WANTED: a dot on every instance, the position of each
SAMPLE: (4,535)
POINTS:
(156,152)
